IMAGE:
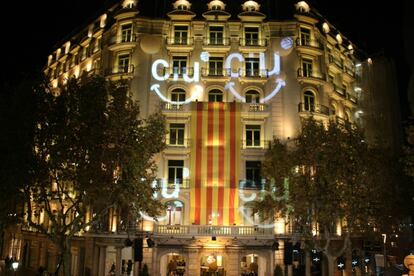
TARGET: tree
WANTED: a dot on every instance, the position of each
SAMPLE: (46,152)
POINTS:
(16,141)
(334,177)
(92,154)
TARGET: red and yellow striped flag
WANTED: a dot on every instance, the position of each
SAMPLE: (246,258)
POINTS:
(215,161)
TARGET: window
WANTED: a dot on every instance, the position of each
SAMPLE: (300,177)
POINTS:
(215,66)
(97,45)
(331,78)
(252,67)
(216,35)
(215,96)
(253,135)
(251,35)
(344,88)
(175,171)
(178,95)
(177,134)
(179,65)
(253,175)
(174,212)
(307,67)
(180,35)
(309,101)
(304,37)
(123,64)
(85,52)
(252,96)
(126,33)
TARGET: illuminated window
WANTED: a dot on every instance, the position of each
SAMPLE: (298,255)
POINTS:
(180,35)
(123,63)
(253,135)
(252,67)
(215,66)
(178,95)
(175,211)
(126,33)
(177,134)
(253,174)
(307,65)
(175,171)
(215,96)
(85,52)
(179,65)
(305,37)
(251,35)
(309,101)
(216,35)
(252,96)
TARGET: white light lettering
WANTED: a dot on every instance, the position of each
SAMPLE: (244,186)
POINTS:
(155,73)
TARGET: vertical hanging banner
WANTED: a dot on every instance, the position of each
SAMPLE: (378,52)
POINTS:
(215,159)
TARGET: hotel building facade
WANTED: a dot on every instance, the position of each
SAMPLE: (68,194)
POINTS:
(228,77)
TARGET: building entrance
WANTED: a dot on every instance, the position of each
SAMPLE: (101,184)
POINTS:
(212,265)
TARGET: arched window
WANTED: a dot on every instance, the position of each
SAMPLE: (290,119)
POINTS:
(178,95)
(309,101)
(175,213)
(252,96)
(215,95)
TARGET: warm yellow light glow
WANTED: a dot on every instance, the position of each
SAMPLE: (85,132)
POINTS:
(58,52)
(338,228)
(369,60)
(280,226)
(89,66)
(197,92)
(55,83)
(325,28)
(302,6)
(179,3)
(251,6)
(216,3)
(213,245)
(219,260)
(67,47)
(148,226)
(339,38)
(103,21)
(76,71)
(49,60)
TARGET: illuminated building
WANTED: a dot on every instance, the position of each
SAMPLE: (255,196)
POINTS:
(228,77)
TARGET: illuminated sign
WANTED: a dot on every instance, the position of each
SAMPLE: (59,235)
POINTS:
(161,65)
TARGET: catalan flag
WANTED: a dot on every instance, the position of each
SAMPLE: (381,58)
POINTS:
(215,160)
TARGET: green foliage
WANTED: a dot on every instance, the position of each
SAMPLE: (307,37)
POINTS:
(145,270)
(278,271)
(333,175)
(92,153)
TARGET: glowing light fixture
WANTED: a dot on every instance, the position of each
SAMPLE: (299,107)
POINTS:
(339,39)
(251,6)
(302,6)
(325,28)
(102,22)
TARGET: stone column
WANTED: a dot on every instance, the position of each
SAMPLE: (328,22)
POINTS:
(193,262)
(95,262)
(118,264)
(233,263)
(308,263)
(102,257)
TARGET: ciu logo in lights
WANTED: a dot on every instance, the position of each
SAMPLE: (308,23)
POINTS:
(161,65)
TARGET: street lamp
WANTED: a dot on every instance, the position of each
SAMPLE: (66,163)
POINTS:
(384,236)
(15,266)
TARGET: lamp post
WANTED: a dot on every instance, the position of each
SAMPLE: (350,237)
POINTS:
(15,266)
(384,236)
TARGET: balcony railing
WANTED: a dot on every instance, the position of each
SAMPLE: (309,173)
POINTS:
(171,107)
(170,183)
(255,144)
(178,143)
(309,43)
(217,41)
(253,42)
(337,62)
(313,108)
(248,184)
(210,230)
(180,41)
(255,107)
(212,72)
(122,39)
(121,70)
(309,74)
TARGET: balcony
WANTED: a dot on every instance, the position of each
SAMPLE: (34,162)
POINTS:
(309,46)
(121,72)
(313,109)
(335,64)
(248,184)
(339,90)
(122,42)
(214,74)
(349,74)
(352,98)
(310,77)
(210,230)
(255,107)
(216,44)
(255,144)
(181,44)
(170,183)
(253,45)
(178,143)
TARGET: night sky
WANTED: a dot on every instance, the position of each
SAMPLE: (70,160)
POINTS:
(375,26)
